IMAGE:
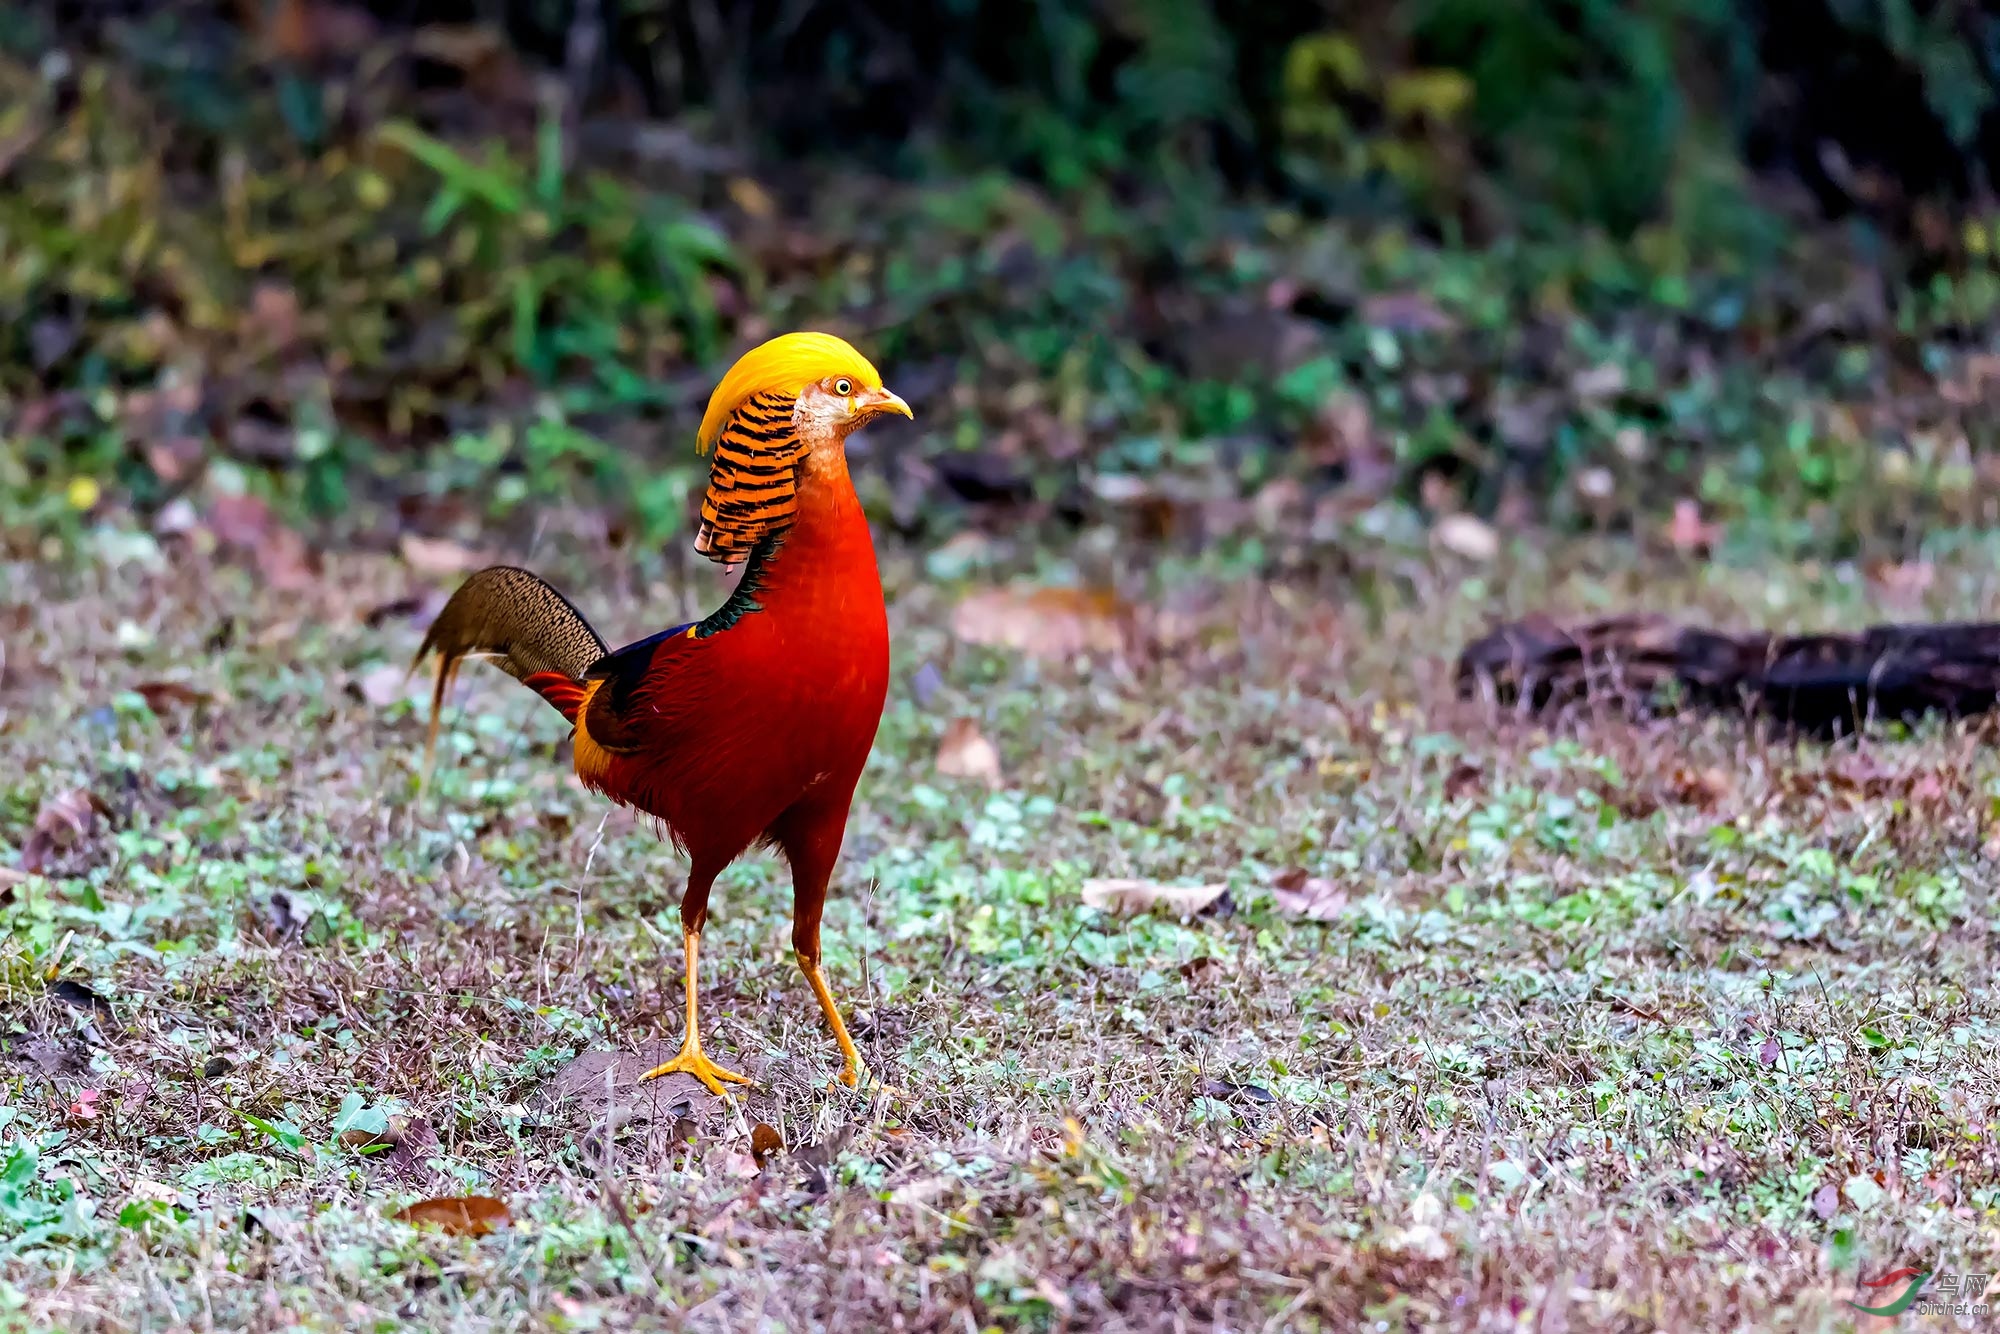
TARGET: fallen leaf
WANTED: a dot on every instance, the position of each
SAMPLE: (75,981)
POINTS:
(388,1137)
(1467,535)
(1307,896)
(62,820)
(1461,781)
(765,1141)
(1688,531)
(1768,1053)
(966,753)
(459,1215)
(1045,622)
(1137,896)
(437,555)
(85,1106)
(1826,1201)
(159,694)
(1198,971)
(1225,1090)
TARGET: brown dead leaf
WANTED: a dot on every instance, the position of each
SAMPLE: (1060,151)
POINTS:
(1703,788)
(1125,896)
(438,555)
(1200,971)
(966,753)
(1046,622)
(1463,780)
(765,1141)
(160,694)
(389,1136)
(1308,896)
(459,1215)
(62,820)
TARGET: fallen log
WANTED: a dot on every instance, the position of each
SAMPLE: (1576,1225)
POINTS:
(1649,666)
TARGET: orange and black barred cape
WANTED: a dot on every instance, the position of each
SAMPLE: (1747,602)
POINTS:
(753,486)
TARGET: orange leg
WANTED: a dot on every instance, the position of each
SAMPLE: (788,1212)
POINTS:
(850,1073)
(691,1060)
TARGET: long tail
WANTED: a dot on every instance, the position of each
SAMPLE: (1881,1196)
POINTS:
(523,626)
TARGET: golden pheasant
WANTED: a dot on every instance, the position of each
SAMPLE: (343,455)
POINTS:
(751,725)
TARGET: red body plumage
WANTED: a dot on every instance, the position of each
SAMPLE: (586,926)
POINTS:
(760,731)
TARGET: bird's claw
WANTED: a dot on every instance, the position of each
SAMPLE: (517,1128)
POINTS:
(692,1061)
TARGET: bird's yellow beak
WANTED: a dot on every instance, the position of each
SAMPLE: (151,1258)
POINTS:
(880,402)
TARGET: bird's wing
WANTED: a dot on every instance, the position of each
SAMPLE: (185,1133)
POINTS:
(623,713)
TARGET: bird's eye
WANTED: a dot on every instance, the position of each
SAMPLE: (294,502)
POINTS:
(843,387)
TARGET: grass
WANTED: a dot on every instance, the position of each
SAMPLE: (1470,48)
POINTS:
(1618,1028)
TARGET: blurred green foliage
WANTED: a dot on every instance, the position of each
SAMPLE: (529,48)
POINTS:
(1469,250)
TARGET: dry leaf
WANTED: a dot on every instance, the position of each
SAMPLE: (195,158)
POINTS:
(389,1136)
(1137,896)
(1045,622)
(159,694)
(460,1215)
(966,753)
(1704,788)
(437,555)
(1310,897)
(1463,780)
(62,820)
(1201,970)
(765,1141)
(1467,535)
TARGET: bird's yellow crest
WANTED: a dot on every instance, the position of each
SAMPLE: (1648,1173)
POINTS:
(784,365)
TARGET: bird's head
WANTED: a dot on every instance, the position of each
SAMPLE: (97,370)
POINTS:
(834,389)
(782,413)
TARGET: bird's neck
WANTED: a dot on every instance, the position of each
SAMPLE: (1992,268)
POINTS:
(826,559)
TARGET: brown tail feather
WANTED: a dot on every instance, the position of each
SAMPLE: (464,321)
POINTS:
(518,622)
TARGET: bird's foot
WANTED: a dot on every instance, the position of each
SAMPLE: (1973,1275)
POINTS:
(692,1061)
